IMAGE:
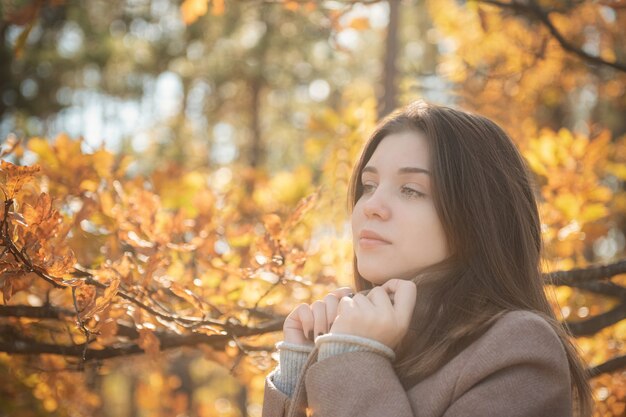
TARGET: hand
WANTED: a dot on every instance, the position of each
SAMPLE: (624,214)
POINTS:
(306,321)
(383,315)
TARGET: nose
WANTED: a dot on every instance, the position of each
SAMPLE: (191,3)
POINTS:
(376,206)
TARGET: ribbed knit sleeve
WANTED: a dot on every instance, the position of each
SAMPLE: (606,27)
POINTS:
(336,343)
(292,358)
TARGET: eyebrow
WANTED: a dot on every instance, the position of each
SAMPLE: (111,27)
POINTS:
(403,170)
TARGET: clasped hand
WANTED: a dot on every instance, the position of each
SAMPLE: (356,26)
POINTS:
(384,314)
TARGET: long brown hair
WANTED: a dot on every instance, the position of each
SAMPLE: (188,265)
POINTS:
(483,193)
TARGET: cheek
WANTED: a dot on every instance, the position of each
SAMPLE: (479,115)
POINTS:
(425,229)
(356,219)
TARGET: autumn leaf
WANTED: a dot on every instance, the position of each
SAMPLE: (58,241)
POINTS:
(272,224)
(42,211)
(12,283)
(108,328)
(85,297)
(359,23)
(103,163)
(102,302)
(191,10)
(149,342)
(291,5)
(305,205)
(187,295)
(15,177)
(218,7)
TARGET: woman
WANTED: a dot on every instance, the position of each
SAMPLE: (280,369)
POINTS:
(450,318)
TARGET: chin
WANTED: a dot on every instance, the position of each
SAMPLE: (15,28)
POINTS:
(380,277)
(375,278)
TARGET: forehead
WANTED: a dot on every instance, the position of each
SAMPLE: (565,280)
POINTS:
(406,149)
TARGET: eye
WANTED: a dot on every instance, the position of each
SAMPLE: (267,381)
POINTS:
(368,188)
(410,192)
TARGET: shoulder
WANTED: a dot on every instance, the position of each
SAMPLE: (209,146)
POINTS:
(523,328)
(517,340)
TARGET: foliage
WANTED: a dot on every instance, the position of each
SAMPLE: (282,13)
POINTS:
(195,261)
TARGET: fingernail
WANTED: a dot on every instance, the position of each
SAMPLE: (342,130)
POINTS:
(310,334)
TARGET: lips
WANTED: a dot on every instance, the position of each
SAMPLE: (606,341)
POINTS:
(369,236)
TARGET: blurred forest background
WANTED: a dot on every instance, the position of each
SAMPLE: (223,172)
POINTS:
(175,172)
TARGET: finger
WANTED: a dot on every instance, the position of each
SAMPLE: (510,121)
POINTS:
(380,297)
(361,301)
(392,286)
(306,318)
(320,322)
(405,293)
(331,301)
(342,292)
(345,303)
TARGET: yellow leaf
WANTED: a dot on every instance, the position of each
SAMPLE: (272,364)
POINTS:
(305,204)
(601,193)
(272,225)
(568,204)
(44,152)
(107,203)
(619,170)
(546,149)
(88,185)
(103,163)
(16,176)
(191,10)
(360,23)
(593,212)
(292,5)
(535,164)
(218,7)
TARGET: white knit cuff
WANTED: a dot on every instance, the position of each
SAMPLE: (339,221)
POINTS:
(337,343)
(292,358)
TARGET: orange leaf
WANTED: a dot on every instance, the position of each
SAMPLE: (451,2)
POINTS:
(187,295)
(16,177)
(85,297)
(272,225)
(360,23)
(109,328)
(218,7)
(304,205)
(292,5)
(149,342)
(191,10)
(104,301)
(12,283)
(40,212)
(7,290)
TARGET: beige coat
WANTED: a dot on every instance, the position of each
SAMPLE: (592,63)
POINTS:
(518,368)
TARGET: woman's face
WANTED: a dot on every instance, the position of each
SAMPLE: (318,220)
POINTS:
(396,230)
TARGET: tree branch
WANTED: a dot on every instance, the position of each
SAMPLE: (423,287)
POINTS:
(533,10)
(579,275)
(611,365)
(13,342)
(44,312)
(606,288)
(594,324)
